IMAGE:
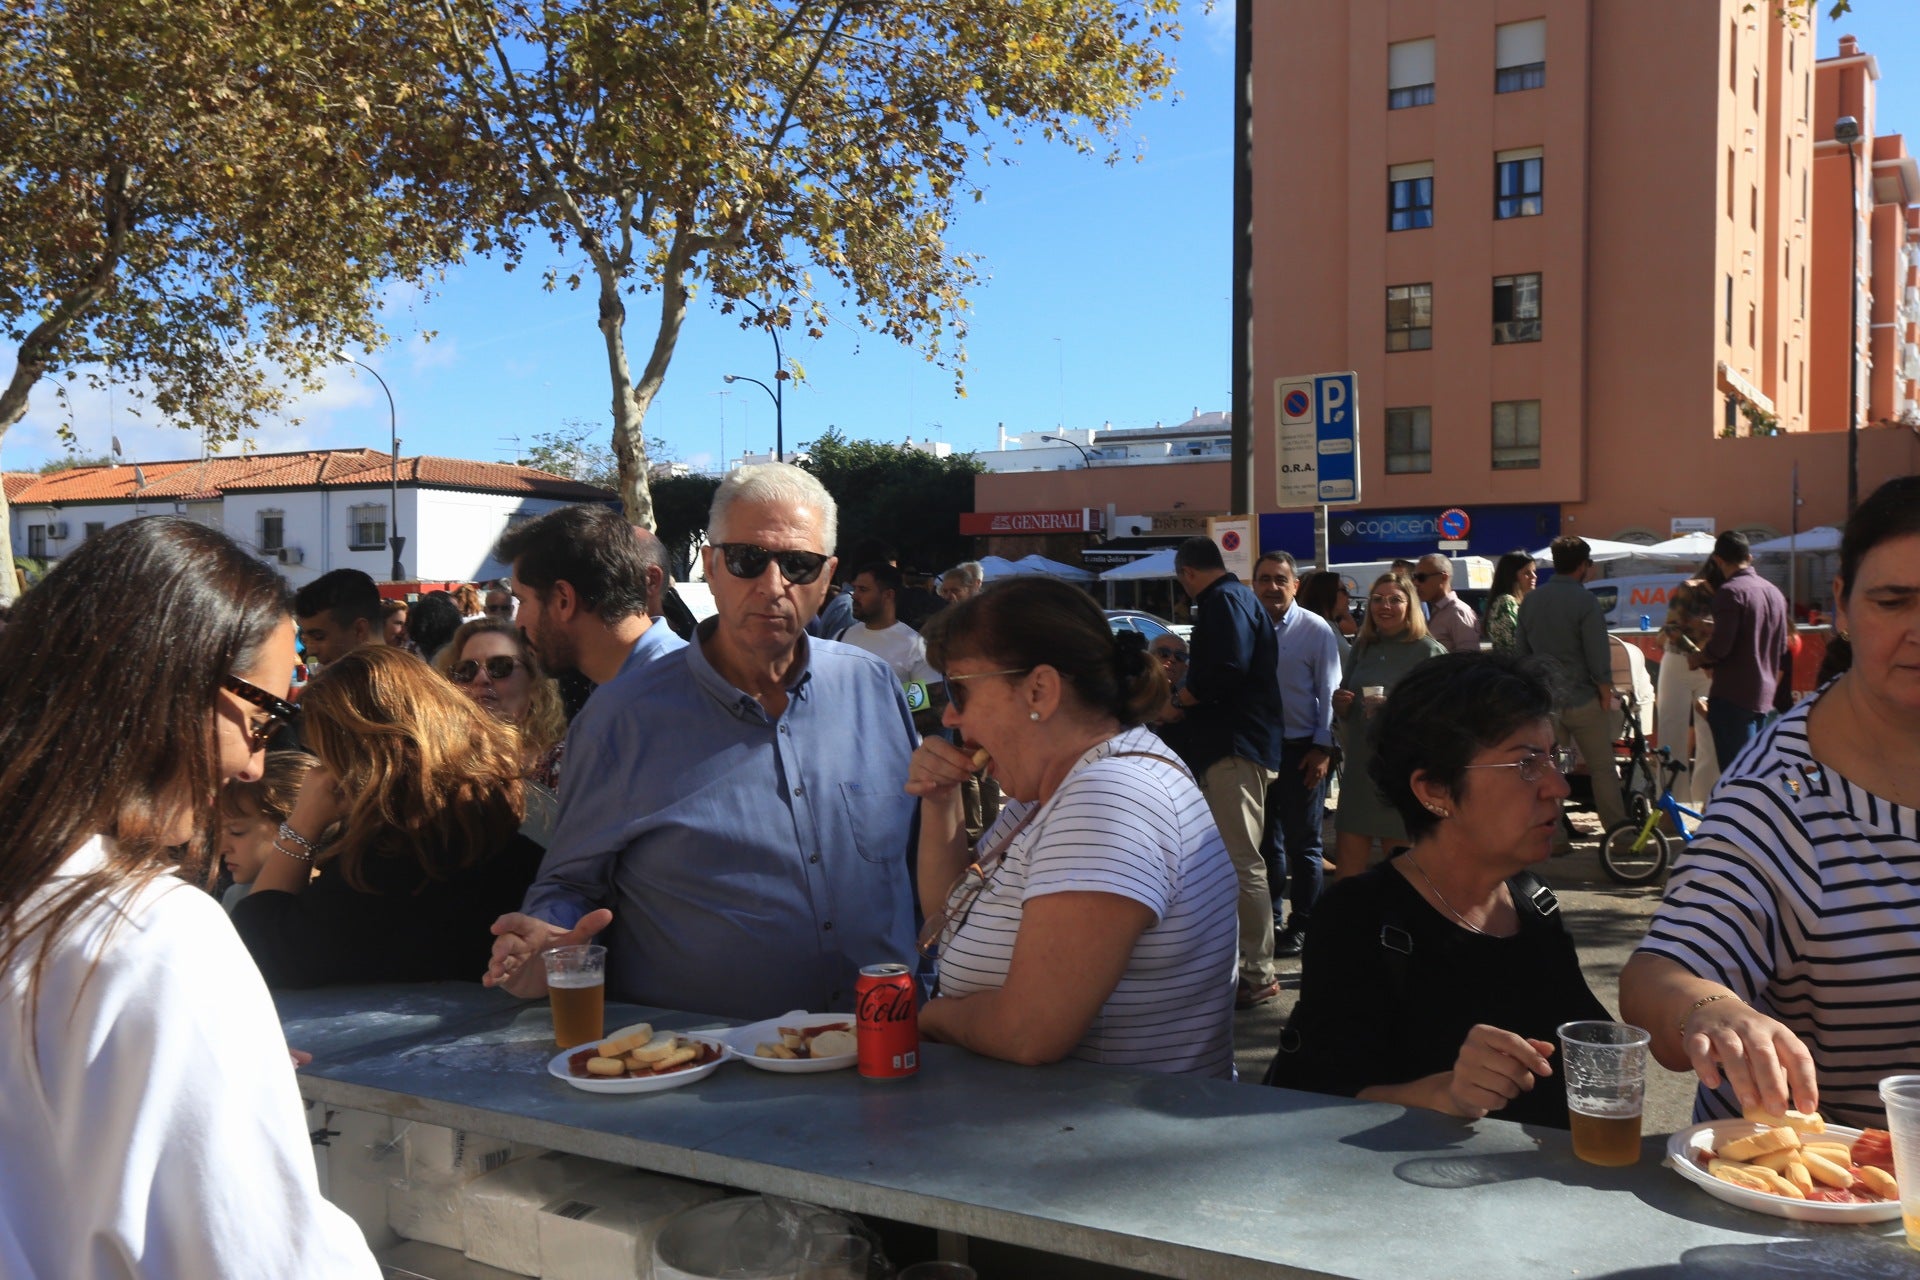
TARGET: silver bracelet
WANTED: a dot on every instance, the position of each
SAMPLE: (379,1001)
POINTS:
(309,848)
(297,855)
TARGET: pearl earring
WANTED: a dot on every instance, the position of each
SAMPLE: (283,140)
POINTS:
(1437,811)
(1033,715)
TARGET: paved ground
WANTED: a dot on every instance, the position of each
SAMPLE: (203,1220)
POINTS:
(1606,921)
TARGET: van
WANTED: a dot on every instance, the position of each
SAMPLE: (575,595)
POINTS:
(1472,575)
(1627,600)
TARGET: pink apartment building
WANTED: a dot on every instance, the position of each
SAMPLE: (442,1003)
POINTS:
(1574,251)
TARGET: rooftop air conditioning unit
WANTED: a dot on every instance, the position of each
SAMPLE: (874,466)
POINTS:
(291,555)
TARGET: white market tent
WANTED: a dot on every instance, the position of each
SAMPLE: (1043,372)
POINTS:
(1688,546)
(1602,550)
(1038,564)
(993,568)
(1148,568)
(1821,538)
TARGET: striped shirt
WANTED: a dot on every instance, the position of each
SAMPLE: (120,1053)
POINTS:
(1139,828)
(1802,894)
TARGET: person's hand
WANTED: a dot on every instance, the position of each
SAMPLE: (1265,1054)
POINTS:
(1762,1060)
(1342,701)
(1313,767)
(321,803)
(937,767)
(300,1058)
(518,941)
(1493,1068)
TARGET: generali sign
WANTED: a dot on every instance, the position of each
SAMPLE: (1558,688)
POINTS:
(1078,520)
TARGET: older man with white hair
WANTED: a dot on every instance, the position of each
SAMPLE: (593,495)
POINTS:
(739,821)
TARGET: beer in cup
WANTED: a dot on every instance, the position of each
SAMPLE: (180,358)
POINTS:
(577,987)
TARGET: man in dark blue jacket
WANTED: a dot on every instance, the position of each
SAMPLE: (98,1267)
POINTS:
(1232,703)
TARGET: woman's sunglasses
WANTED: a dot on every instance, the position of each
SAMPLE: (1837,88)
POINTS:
(498,668)
(279,711)
(957,685)
(744,560)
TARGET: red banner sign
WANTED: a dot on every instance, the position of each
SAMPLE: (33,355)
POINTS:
(1078,520)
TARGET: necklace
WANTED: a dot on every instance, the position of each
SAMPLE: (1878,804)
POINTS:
(1464,922)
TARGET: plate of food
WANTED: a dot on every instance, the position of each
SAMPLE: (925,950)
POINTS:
(638,1059)
(797,1043)
(1793,1166)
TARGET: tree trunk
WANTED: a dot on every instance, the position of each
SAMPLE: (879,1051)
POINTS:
(632,399)
(13,407)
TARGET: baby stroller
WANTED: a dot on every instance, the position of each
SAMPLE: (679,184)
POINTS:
(1633,758)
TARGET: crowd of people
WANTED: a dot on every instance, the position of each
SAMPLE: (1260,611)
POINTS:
(1088,847)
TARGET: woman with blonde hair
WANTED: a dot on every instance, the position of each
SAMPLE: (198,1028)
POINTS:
(152,1123)
(490,662)
(1392,641)
(428,791)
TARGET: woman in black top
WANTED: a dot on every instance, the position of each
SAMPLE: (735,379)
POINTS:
(1438,979)
(425,790)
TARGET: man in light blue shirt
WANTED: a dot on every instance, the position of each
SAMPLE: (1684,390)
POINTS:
(739,806)
(1309,667)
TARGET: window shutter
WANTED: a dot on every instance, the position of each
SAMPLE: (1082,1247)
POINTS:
(1520,44)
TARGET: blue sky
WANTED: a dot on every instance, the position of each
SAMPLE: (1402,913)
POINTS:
(1106,300)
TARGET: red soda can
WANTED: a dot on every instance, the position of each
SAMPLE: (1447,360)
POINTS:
(889,1022)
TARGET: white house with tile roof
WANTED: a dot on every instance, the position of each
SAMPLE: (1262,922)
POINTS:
(308,512)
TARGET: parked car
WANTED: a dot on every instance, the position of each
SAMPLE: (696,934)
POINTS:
(1147,624)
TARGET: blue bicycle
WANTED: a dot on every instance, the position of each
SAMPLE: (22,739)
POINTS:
(1637,851)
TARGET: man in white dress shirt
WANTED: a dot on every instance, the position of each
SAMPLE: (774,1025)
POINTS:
(1309,666)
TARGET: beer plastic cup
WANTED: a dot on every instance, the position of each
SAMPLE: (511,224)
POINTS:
(834,1256)
(1901,1094)
(1604,1065)
(577,988)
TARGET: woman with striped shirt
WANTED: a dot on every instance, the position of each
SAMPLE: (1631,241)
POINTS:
(1095,920)
(1784,964)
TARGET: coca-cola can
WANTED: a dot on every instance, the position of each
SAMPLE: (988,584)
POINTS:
(889,1023)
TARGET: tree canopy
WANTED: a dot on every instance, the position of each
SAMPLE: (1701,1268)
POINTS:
(203,199)
(749,147)
(901,496)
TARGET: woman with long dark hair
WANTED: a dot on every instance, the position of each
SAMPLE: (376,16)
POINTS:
(1514,576)
(428,793)
(152,1124)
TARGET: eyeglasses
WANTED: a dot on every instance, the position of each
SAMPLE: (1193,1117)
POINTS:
(279,711)
(1424,574)
(1391,598)
(744,560)
(1169,654)
(1533,766)
(499,611)
(498,668)
(957,689)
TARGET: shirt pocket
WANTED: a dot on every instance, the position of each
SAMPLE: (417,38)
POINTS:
(879,821)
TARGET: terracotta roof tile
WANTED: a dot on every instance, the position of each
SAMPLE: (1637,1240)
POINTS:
(206,480)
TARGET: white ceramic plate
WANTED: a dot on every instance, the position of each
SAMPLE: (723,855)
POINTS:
(744,1040)
(1714,1134)
(639,1084)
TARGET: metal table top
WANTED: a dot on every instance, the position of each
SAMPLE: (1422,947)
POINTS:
(1163,1174)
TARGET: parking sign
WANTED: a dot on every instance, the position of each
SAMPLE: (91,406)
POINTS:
(1317,439)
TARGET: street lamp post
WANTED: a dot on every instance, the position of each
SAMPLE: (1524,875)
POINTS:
(779,382)
(1086,459)
(1846,130)
(394,540)
(779,451)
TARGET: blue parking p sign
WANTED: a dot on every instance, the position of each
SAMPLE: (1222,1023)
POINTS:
(1317,439)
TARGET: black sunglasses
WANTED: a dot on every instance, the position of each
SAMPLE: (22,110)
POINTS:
(279,710)
(1424,574)
(1168,652)
(744,560)
(498,668)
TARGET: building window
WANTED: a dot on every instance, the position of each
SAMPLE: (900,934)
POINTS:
(1517,183)
(270,531)
(1729,308)
(1733,56)
(1520,56)
(37,541)
(1410,439)
(367,527)
(1753,206)
(1516,435)
(1753,325)
(1409,74)
(1409,317)
(1729,183)
(1516,308)
(95,526)
(1731,425)
(1410,196)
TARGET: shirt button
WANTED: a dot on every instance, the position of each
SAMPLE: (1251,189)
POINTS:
(799,790)
(814,858)
(827,926)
